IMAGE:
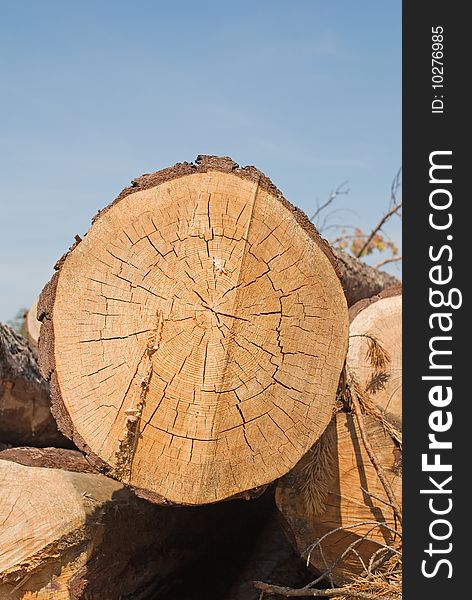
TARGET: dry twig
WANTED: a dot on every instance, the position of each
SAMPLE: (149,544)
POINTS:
(373,457)
(392,259)
(394,210)
(340,190)
(343,592)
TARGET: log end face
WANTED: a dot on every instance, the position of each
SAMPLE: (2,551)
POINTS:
(201,322)
(375,350)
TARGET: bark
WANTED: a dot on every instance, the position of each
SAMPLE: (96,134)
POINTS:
(360,280)
(190,322)
(53,458)
(25,412)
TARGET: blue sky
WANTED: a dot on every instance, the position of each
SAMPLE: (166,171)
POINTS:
(95,93)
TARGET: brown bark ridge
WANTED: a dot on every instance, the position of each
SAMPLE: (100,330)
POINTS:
(360,280)
(194,338)
(25,413)
(334,498)
(52,458)
(81,536)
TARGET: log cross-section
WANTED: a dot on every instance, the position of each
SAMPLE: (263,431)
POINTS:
(378,319)
(194,338)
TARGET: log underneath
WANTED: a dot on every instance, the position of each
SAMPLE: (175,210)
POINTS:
(70,536)
(342,511)
(379,320)
(335,493)
(25,412)
(194,338)
(272,558)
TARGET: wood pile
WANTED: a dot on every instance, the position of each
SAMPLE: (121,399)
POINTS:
(199,365)
(333,503)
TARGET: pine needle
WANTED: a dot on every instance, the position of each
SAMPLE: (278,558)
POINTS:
(385,583)
(369,407)
(376,354)
(318,472)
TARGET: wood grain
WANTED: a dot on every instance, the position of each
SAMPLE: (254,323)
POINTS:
(195,336)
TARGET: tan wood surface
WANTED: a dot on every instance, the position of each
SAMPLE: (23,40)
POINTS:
(352,497)
(195,336)
(380,318)
(78,535)
(31,326)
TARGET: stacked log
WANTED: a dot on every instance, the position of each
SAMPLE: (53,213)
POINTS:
(192,345)
(25,409)
(359,280)
(68,533)
(194,338)
(334,506)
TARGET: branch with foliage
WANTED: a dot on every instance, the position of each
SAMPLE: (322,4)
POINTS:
(355,240)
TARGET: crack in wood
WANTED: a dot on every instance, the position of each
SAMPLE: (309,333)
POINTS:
(127,446)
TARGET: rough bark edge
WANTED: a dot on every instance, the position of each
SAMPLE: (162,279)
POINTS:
(75,541)
(358,307)
(360,280)
(47,366)
(28,370)
(156,498)
(47,362)
(224,164)
(50,458)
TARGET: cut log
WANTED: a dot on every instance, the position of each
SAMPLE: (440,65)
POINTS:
(25,411)
(70,536)
(360,280)
(194,338)
(31,325)
(342,512)
(334,494)
(378,321)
